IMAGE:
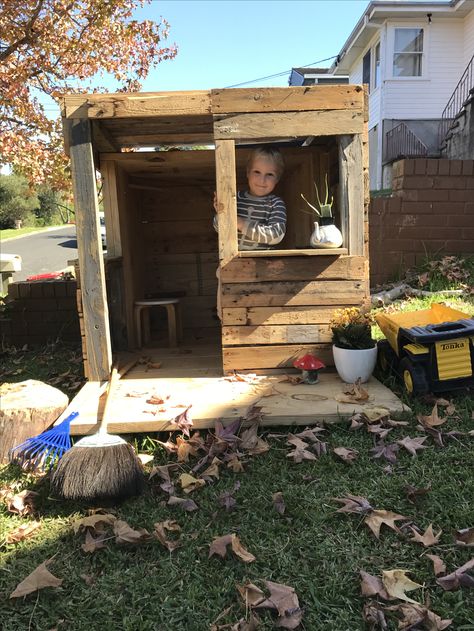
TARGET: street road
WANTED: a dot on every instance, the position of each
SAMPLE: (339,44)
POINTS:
(43,252)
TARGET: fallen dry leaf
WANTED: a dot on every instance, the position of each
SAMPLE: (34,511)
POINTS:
(412,445)
(251,594)
(22,503)
(417,616)
(160,531)
(279,503)
(145,458)
(92,543)
(227,500)
(40,578)
(353,393)
(465,537)
(212,470)
(377,518)
(299,454)
(458,578)
(219,547)
(439,566)
(285,601)
(428,538)
(374,615)
(347,455)
(396,582)
(190,483)
(25,531)
(372,586)
(378,430)
(413,493)
(95,522)
(185,449)
(433,420)
(375,414)
(227,434)
(353,504)
(124,534)
(186,504)
(183,421)
(235,464)
(385,450)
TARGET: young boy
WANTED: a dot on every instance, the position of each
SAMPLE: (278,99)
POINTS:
(261,216)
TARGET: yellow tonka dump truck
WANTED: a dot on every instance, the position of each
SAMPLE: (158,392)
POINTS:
(432,350)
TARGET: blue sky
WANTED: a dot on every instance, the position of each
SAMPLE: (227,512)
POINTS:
(227,42)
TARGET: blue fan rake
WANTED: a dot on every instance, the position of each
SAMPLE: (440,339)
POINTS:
(42,451)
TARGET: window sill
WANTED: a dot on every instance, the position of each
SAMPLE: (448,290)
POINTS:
(305,252)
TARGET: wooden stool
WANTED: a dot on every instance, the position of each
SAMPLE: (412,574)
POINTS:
(174,319)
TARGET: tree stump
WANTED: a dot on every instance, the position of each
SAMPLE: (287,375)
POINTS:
(27,409)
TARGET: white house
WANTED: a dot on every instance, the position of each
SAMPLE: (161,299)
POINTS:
(414,56)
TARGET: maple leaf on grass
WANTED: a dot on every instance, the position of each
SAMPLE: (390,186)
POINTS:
(396,582)
(40,578)
(415,615)
(183,421)
(124,534)
(228,434)
(219,547)
(354,504)
(25,531)
(414,493)
(97,522)
(91,544)
(235,464)
(160,531)
(465,537)
(433,419)
(186,504)
(299,454)
(250,594)
(458,578)
(388,451)
(428,538)
(412,445)
(438,564)
(284,600)
(377,518)
(372,586)
(346,455)
(378,430)
(190,483)
(279,502)
(374,615)
(227,500)
(22,503)
(212,470)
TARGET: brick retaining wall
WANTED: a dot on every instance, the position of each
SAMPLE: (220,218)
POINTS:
(39,312)
(430,211)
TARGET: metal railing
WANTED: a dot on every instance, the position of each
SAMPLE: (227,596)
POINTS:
(456,101)
(401,142)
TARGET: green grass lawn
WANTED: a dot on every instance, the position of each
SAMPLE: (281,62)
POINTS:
(10,233)
(311,547)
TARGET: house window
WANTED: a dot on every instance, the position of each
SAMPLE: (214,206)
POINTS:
(408,52)
(366,68)
(377,66)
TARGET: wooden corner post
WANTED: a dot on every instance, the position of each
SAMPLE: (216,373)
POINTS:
(226,189)
(89,246)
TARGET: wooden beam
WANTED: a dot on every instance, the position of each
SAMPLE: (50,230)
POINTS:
(226,189)
(111,208)
(103,139)
(328,97)
(280,334)
(351,178)
(278,356)
(89,246)
(325,292)
(142,104)
(317,123)
(253,316)
(253,270)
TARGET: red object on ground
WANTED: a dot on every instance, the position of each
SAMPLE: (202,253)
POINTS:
(47,276)
(308,362)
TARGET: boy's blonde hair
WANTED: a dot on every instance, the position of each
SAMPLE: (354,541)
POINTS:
(272,154)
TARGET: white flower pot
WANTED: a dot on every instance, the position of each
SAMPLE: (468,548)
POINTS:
(353,364)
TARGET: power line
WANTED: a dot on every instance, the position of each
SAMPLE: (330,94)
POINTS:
(280,74)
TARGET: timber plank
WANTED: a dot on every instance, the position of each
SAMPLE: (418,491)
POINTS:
(254,316)
(292,294)
(252,270)
(280,334)
(352,190)
(330,97)
(318,123)
(277,356)
(143,104)
(111,208)
(226,190)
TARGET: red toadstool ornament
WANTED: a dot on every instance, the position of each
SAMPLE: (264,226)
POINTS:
(309,365)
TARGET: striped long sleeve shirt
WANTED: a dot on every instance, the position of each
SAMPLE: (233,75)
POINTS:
(265,221)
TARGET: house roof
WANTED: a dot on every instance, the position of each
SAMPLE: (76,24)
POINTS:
(379,10)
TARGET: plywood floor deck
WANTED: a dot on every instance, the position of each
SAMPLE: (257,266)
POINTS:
(193,377)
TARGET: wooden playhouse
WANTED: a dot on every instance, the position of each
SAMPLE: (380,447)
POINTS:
(161,157)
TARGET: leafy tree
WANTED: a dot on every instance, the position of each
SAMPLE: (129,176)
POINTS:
(46,47)
(17,202)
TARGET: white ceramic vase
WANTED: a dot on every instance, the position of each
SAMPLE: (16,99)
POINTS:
(353,364)
(326,234)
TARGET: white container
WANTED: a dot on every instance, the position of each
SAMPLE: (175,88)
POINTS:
(353,364)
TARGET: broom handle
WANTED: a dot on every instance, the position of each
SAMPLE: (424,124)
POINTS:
(115,375)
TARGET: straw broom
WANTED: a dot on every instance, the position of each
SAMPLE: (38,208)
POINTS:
(99,467)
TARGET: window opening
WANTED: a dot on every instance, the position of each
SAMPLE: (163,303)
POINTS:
(408,52)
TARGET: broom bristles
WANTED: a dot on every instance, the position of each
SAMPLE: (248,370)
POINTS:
(98,473)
